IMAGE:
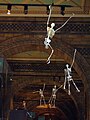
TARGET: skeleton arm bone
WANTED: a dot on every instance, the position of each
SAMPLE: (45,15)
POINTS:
(65,79)
(59,88)
(49,15)
(36,91)
(43,86)
(42,90)
(73,58)
(64,23)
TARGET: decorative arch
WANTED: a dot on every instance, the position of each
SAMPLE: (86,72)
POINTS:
(61,48)
(24,43)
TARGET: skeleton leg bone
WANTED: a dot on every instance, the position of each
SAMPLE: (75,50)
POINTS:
(48,60)
(75,86)
(64,87)
(44,101)
(54,100)
(40,101)
(69,92)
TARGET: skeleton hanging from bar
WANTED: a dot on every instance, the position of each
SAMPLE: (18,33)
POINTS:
(53,96)
(41,95)
(68,77)
(50,33)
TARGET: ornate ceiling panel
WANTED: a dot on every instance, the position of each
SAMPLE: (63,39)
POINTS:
(78,6)
(77,2)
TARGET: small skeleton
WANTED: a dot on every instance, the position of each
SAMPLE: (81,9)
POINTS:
(50,33)
(41,95)
(24,104)
(68,77)
(53,96)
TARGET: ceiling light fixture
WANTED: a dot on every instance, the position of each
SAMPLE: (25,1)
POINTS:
(25,9)
(62,10)
(48,10)
(9,9)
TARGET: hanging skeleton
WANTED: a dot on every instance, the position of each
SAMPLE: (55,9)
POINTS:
(50,33)
(68,77)
(53,96)
(41,95)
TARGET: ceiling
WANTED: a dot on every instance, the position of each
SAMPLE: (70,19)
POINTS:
(71,2)
(78,6)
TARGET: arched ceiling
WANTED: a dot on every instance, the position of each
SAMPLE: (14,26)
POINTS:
(22,45)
